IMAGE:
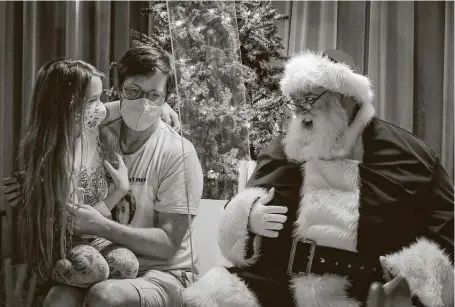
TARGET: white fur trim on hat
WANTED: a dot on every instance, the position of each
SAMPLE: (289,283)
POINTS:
(309,69)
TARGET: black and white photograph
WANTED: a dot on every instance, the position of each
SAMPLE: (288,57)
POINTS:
(227,153)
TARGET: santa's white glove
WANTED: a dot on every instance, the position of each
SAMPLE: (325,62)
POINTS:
(267,221)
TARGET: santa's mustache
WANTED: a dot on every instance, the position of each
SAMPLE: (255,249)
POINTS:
(308,118)
(305,118)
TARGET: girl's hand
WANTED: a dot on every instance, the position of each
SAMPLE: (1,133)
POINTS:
(118,174)
(12,189)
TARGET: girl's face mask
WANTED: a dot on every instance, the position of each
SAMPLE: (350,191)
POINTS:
(94,115)
(139,114)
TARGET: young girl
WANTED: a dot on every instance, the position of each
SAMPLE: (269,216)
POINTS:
(63,163)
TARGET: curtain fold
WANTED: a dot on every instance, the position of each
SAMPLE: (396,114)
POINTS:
(406,48)
(313,25)
(391,61)
(352,28)
(447,151)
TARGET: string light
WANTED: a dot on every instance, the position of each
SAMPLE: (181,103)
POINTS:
(248,125)
(232,108)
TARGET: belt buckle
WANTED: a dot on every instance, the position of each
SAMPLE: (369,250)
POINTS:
(310,257)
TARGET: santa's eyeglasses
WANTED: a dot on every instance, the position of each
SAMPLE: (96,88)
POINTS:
(296,104)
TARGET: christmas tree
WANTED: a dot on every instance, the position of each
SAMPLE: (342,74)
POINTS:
(228,91)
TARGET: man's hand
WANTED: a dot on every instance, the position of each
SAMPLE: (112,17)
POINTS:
(18,293)
(170,117)
(118,172)
(86,219)
(267,221)
(12,188)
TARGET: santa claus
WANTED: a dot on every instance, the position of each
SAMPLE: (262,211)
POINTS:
(340,201)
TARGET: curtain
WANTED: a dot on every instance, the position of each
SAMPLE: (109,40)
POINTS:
(406,48)
(34,32)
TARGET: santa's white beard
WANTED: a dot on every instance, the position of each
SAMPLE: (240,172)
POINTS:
(319,140)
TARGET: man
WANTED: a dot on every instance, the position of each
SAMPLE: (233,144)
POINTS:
(166,181)
(340,203)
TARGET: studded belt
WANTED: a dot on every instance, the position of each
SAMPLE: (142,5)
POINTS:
(307,257)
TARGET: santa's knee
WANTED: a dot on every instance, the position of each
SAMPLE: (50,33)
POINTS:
(219,288)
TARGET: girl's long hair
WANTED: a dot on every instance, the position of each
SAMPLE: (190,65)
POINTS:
(47,149)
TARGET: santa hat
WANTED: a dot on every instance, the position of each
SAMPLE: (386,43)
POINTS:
(336,71)
(333,70)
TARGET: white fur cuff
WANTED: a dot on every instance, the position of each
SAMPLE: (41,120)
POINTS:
(219,288)
(428,270)
(233,236)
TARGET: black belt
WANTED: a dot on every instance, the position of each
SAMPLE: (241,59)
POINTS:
(307,257)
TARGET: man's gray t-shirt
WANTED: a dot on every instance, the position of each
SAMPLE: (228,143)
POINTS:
(164,177)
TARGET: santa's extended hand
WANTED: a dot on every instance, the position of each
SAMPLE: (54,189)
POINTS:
(395,293)
(267,221)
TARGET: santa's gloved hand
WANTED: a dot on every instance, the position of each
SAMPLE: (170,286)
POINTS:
(394,293)
(264,220)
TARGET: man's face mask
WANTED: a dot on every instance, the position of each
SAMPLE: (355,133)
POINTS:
(94,115)
(139,114)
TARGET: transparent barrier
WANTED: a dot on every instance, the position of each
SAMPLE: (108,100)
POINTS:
(210,90)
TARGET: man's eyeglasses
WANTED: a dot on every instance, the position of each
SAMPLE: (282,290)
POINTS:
(134,93)
(296,104)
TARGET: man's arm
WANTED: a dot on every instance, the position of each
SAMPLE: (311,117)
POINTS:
(112,111)
(170,216)
(161,242)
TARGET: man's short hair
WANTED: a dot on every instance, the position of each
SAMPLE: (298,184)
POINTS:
(142,60)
